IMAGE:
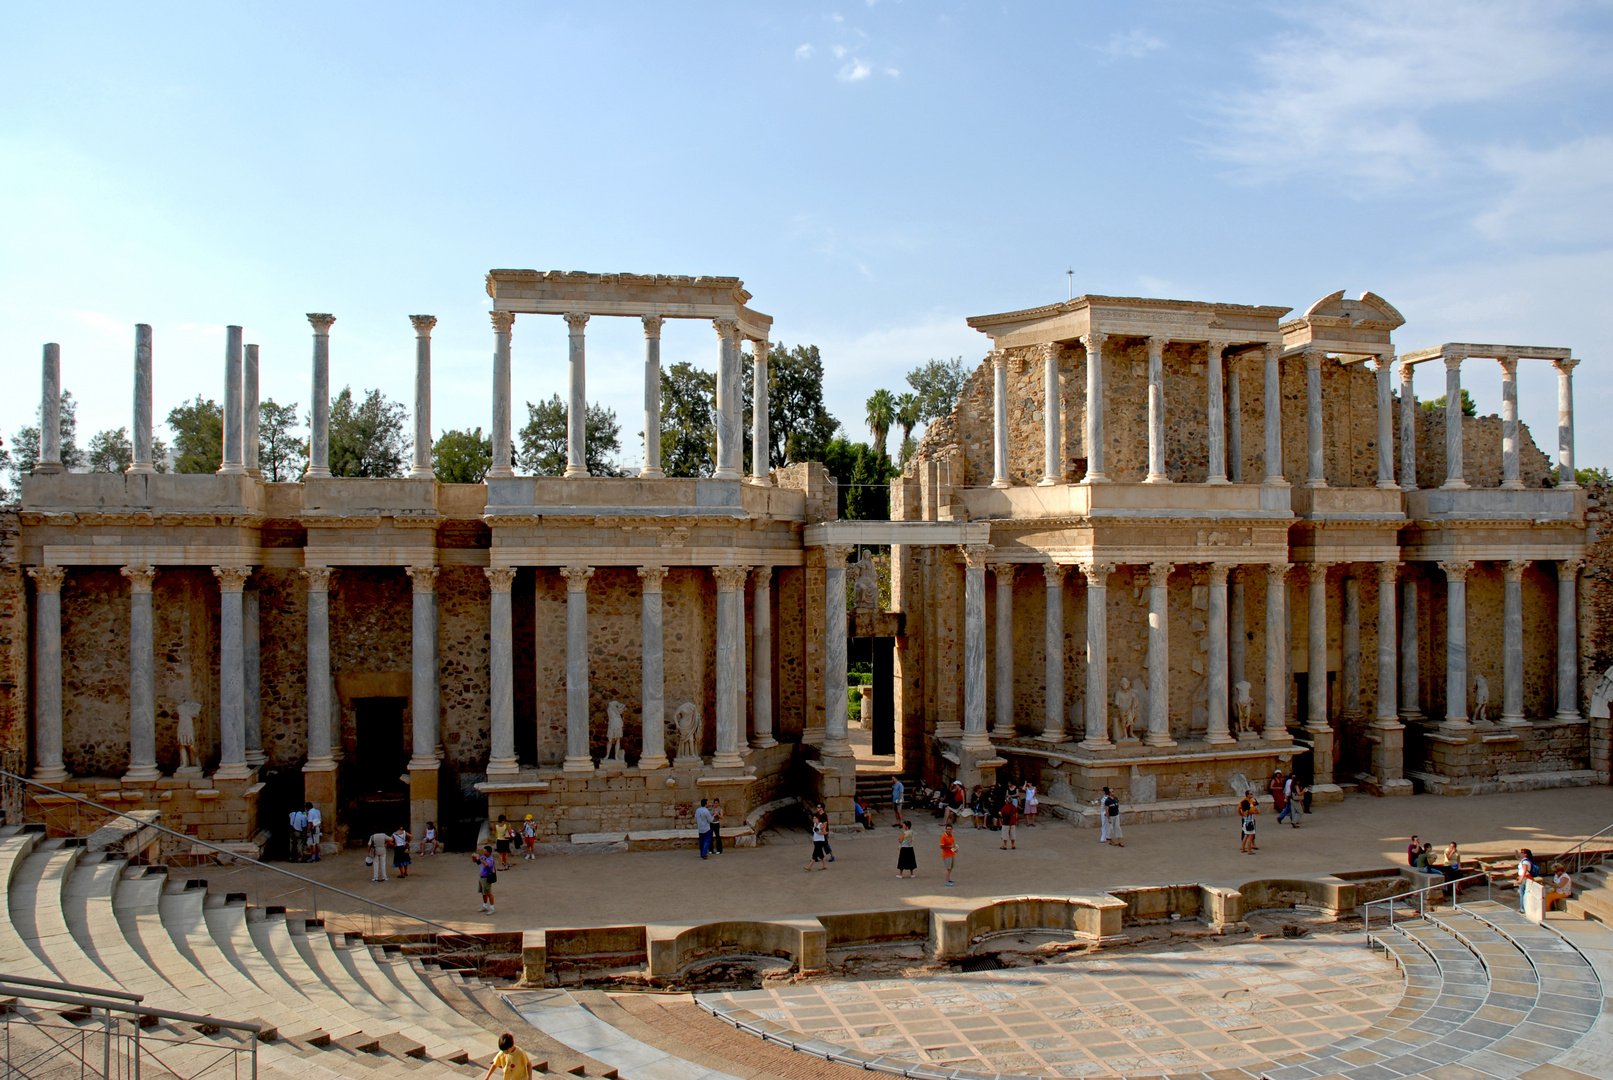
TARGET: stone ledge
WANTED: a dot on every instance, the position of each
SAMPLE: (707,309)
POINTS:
(1506,783)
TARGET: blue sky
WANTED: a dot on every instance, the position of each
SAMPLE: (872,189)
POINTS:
(875,172)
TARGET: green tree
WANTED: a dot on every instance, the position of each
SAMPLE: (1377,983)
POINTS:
(111,451)
(938,384)
(281,455)
(908,414)
(1469,407)
(25,443)
(367,437)
(462,456)
(881,415)
(198,428)
(1592,476)
(862,475)
(543,440)
(688,423)
(799,427)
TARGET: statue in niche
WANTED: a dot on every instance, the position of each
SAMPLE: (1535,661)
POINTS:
(1481,698)
(1126,707)
(865,585)
(613,731)
(1242,706)
(687,720)
(187,737)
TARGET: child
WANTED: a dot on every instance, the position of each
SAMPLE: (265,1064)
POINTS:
(428,842)
(529,837)
(906,858)
(1247,809)
(949,850)
(486,876)
(1032,805)
(820,830)
(512,1059)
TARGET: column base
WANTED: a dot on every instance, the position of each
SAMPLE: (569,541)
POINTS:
(142,773)
(949,731)
(1094,478)
(503,767)
(421,473)
(727,474)
(1454,485)
(1275,481)
(255,758)
(1096,744)
(650,764)
(1156,478)
(1001,483)
(1387,723)
(573,472)
(1053,736)
(1455,726)
(1512,485)
(1515,721)
(1569,486)
(1218,480)
(424,764)
(497,472)
(140,470)
(976,742)
(1276,735)
(837,748)
(1568,716)
(1050,481)
(1156,739)
(648,473)
(727,761)
(575,765)
(1387,485)
(233,772)
(313,765)
(763,742)
(324,474)
(1220,738)
(232,470)
(760,481)
(1317,483)
(1003,733)
(51,776)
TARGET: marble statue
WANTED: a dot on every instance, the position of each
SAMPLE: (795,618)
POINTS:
(613,731)
(1481,698)
(1242,706)
(687,720)
(187,736)
(865,594)
(1126,708)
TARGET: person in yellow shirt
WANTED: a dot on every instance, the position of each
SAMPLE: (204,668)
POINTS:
(512,1059)
(501,841)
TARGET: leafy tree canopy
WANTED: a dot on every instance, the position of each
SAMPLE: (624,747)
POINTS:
(688,420)
(24,453)
(938,384)
(799,427)
(198,428)
(543,440)
(111,451)
(1469,406)
(863,477)
(282,456)
(367,437)
(462,456)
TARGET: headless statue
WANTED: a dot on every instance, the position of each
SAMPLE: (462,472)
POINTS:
(687,721)
(613,731)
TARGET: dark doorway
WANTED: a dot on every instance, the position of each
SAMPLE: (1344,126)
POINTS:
(884,658)
(378,780)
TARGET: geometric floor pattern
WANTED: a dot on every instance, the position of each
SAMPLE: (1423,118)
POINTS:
(1194,1008)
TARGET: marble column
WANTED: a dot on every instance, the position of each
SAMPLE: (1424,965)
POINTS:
(1159,655)
(252,676)
(1237,630)
(142,676)
(1234,422)
(321,757)
(1052,439)
(1094,414)
(503,449)
(1276,710)
(1453,421)
(231,687)
(761,439)
(1315,450)
(974,647)
(577,397)
(423,705)
(728,433)
(835,743)
(1002,725)
(231,465)
(1217,413)
(652,399)
(1509,424)
(1565,422)
(501,674)
(1156,412)
(1568,640)
(1456,645)
(762,658)
(422,469)
(1316,646)
(142,401)
(48,668)
(1386,423)
(1217,730)
(1512,645)
(652,682)
(1350,648)
(50,412)
(1387,710)
(999,420)
(730,665)
(319,441)
(250,414)
(1053,640)
(1096,708)
(1408,429)
(1411,691)
(1273,406)
(579,752)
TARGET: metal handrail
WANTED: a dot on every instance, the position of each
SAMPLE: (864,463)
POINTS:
(52,984)
(134,1010)
(1422,897)
(1576,849)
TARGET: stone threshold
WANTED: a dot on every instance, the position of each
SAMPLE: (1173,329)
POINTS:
(1161,756)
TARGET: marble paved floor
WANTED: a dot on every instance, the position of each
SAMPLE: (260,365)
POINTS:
(1192,1008)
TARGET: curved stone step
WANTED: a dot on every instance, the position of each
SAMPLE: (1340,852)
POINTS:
(409,981)
(362,966)
(35,900)
(17,957)
(138,906)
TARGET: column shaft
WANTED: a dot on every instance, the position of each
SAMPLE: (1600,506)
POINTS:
(142,400)
(652,398)
(50,412)
(1456,645)
(318,681)
(1217,413)
(579,752)
(1159,656)
(1512,645)
(728,433)
(999,420)
(423,325)
(142,676)
(231,686)
(1002,724)
(1234,423)
(501,673)
(1386,424)
(1411,691)
(1408,428)
(652,684)
(48,668)
(503,450)
(1217,729)
(577,397)
(1453,422)
(1094,415)
(1316,647)
(1565,422)
(1052,439)
(974,648)
(1276,710)
(1315,449)
(319,436)
(231,463)
(1053,632)
(423,706)
(1237,631)
(762,658)
(1509,424)
(252,676)
(761,439)
(1273,406)
(835,742)
(1156,412)
(1387,707)
(250,414)
(731,665)
(1097,702)
(1350,649)
(1568,640)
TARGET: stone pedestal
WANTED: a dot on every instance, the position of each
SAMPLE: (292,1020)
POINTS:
(424,798)
(1388,749)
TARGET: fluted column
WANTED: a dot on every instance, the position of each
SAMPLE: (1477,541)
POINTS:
(422,470)
(1411,691)
(1217,415)
(48,668)
(1386,423)
(1159,655)
(577,397)
(999,419)
(318,682)
(142,676)
(252,677)
(761,439)
(1217,730)
(579,754)
(231,465)
(1315,455)
(762,659)
(1156,412)
(1316,646)
(728,433)
(1568,640)
(319,436)
(1234,421)
(1456,645)
(1453,421)
(1387,710)
(652,683)
(423,705)
(1097,702)
(652,399)
(1273,406)
(835,743)
(1512,645)
(503,322)
(1052,439)
(1053,639)
(250,411)
(1509,424)
(1002,725)
(231,687)
(730,664)
(1094,413)
(1565,422)
(974,646)
(501,673)
(1408,429)
(1350,648)
(1276,711)
(142,400)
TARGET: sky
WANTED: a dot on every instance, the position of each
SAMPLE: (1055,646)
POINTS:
(875,172)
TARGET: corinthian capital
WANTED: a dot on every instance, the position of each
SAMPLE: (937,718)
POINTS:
(1456,569)
(232,578)
(730,578)
(1388,571)
(1219,572)
(48,579)
(502,321)
(1097,573)
(1053,574)
(727,329)
(975,555)
(576,320)
(652,325)
(140,578)
(653,577)
(1093,341)
(424,578)
(1159,573)
(321,321)
(577,577)
(318,578)
(834,555)
(500,578)
(1515,569)
(423,324)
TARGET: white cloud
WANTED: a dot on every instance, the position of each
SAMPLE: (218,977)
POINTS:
(804,52)
(839,51)
(1563,194)
(1131,45)
(854,71)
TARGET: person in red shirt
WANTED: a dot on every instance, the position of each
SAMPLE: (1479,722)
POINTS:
(949,850)
(1010,819)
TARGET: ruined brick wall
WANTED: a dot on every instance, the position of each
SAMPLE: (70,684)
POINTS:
(371,644)
(1596,622)
(1481,451)
(789,644)
(283,659)
(14,639)
(464,619)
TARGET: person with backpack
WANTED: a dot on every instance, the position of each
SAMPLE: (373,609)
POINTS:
(486,876)
(1248,807)
(1110,804)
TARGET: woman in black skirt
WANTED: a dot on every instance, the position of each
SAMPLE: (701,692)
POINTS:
(905,859)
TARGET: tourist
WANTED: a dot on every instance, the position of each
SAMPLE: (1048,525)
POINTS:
(1527,871)
(512,1059)
(702,827)
(400,851)
(1111,817)
(1032,805)
(820,844)
(529,837)
(949,850)
(828,848)
(1301,792)
(1010,819)
(1562,886)
(716,826)
(1279,798)
(977,806)
(299,826)
(860,812)
(375,855)
(1413,849)
(315,822)
(906,857)
(486,876)
(428,842)
(1248,807)
(501,841)
(897,792)
(1425,859)
(953,807)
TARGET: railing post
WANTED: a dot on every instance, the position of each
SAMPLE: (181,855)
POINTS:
(137,1048)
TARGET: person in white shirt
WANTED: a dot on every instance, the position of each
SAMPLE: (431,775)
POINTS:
(376,855)
(315,821)
(1562,886)
(299,827)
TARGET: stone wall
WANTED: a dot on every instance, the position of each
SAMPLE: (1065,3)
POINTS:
(1596,621)
(283,660)
(14,638)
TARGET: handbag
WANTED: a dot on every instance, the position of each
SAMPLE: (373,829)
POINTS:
(369,860)
(492,879)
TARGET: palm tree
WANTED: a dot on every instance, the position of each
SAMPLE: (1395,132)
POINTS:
(907,415)
(881,414)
